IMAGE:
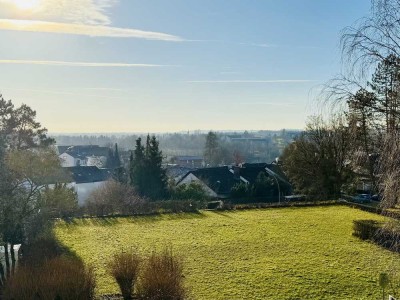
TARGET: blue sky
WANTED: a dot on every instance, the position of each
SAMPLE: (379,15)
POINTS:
(158,65)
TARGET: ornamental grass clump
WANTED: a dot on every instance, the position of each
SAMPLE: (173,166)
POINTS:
(124,267)
(162,277)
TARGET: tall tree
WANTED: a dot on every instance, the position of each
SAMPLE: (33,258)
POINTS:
(362,125)
(211,149)
(386,85)
(20,127)
(117,158)
(137,167)
(317,161)
(146,171)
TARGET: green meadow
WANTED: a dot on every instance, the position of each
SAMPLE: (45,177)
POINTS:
(287,253)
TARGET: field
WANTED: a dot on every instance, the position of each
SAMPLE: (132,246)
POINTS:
(290,253)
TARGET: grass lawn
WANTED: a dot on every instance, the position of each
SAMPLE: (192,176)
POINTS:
(288,253)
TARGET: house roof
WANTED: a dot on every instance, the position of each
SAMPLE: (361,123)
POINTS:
(188,157)
(85,151)
(87,174)
(219,179)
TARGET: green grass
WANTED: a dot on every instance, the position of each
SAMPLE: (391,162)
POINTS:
(290,253)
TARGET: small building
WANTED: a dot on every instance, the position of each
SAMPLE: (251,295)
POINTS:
(218,182)
(86,155)
(188,161)
(83,179)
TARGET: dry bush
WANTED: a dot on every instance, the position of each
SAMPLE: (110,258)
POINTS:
(58,278)
(389,171)
(162,277)
(124,267)
(113,198)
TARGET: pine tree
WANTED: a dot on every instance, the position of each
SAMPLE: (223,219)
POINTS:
(146,172)
(137,168)
(117,159)
(158,181)
(211,149)
(386,83)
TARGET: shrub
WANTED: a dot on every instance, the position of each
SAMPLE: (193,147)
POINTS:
(114,198)
(124,267)
(366,229)
(59,201)
(58,278)
(191,191)
(162,277)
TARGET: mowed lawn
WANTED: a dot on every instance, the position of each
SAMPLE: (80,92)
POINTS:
(290,253)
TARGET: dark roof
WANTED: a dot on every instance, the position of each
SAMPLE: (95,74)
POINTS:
(188,157)
(62,149)
(219,179)
(84,174)
(178,171)
(86,150)
(250,172)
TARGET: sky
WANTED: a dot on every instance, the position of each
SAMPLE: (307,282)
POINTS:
(171,65)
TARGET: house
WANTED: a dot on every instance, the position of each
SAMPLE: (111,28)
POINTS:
(176,172)
(188,161)
(87,155)
(218,182)
(83,179)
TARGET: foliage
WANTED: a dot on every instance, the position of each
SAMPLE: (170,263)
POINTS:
(124,267)
(59,201)
(264,186)
(247,254)
(162,277)
(240,190)
(366,229)
(317,161)
(113,197)
(58,278)
(29,174)
(191,191)
(20,128)
(147,175)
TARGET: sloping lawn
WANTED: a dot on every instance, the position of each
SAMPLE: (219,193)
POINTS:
(290,253)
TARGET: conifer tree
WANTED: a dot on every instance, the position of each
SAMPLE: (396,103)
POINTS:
(146,172)
(117,159)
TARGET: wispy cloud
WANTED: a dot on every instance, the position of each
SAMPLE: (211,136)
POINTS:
(79,64)
(64,93)
(81,29)
(252,81)
(285,104)
(90,12)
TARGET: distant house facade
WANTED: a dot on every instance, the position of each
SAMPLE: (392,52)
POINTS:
(218,182)
(84,180)
(188,161)
(91,155)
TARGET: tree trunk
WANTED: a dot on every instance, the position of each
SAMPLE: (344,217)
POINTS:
(2,275)
(12,259)
(7,260)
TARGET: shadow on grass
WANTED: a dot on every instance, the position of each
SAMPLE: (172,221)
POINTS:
(115,220)
(226,214)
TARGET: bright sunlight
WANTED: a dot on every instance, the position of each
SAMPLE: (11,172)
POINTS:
(26,4)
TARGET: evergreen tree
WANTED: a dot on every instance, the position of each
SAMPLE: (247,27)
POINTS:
(386,83)
(138,167)
(157,184)
(146,172)
(117,159)
(110,159)
(211,149)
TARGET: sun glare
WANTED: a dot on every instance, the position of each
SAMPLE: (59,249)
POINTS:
(26,4)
